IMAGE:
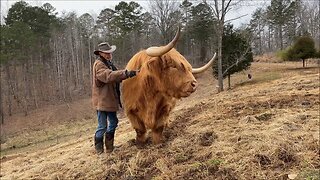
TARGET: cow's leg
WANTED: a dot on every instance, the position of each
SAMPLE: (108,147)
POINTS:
(139,127)
(162,122)
(157,134)
(141,136)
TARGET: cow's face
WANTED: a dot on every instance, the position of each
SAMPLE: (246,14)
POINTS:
(177,76)
(172,72)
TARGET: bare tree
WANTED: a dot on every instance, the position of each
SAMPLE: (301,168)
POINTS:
(1,106)
(165,14)
(220,9)
(311,21)
(318,15)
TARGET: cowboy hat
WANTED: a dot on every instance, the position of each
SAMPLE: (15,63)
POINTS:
(105,48)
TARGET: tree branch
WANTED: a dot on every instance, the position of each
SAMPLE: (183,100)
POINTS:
(236,18)
(238,61)
(217,9)
(227,6)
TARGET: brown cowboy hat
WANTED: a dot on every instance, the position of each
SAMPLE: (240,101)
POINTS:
(105,47)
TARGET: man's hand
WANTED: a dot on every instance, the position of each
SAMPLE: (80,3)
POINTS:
(130,74)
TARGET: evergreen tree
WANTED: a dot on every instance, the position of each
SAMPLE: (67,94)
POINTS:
(17,41)
(38,19)
(236,52)
(86,23)
(147,30)
(105,23)
(186,7)
(303,48)
(279,13)
(257,24)
(202,27)
(128,17)
(291,26)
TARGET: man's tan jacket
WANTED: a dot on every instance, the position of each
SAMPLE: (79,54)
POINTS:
(104,96)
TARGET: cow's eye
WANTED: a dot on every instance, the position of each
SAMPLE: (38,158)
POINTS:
(182,67)
(173,67)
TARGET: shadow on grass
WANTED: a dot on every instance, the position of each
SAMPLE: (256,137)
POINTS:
(261,78)
(303,68)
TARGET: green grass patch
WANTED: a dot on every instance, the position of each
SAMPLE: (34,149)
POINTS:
(196,165)
(180,157)
(215,162)
(310,174)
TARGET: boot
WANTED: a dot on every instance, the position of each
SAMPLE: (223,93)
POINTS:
(109,142)
(98,144)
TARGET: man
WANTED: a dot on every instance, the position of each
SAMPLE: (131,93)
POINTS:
(106,95)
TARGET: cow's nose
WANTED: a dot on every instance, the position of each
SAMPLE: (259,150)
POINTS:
(194,84)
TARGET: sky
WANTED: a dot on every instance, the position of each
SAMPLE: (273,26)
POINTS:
(94,7)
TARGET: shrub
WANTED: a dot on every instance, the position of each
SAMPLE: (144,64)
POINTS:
(318,54)
(284,54)
(303,48)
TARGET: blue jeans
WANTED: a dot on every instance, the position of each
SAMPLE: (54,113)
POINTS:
(107,122)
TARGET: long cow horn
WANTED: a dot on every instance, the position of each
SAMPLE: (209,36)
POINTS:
(159,51)
(205,67)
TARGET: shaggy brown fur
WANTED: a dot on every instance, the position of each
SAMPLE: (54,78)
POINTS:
(149,97)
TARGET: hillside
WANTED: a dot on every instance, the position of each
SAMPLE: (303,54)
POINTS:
(266,128)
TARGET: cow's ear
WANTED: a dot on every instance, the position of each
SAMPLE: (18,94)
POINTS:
(155,65)
(167,61)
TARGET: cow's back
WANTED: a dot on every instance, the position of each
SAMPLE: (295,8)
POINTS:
(136,62)
(131,87)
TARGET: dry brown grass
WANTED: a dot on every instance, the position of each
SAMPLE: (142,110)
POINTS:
(268,58)
(266,128)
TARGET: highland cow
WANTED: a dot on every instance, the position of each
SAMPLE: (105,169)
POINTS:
(165,76)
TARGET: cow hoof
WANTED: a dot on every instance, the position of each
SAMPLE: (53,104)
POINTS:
(157,138)
(140,145)
(141,139)
(156,141)
(139,142)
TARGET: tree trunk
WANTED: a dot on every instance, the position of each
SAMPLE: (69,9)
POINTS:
(203,52)
(303,62)
(9,88)
(82,64)
(61,69)
(260,40)
(269,39)
(90,61)
(229,81)
(280,37)
(26,88)
(34,88)
(1,106)
(78,60)
(220,76)
(74,75)
(44,78)
(318,27)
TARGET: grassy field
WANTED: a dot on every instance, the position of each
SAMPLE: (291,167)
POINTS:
(264,128)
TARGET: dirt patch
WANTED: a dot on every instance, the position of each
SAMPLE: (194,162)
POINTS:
(207,138)
(262,160)
(286,155)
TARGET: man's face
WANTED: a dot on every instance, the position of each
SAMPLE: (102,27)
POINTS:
(107,56)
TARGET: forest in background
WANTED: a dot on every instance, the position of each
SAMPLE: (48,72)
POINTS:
(46,59)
